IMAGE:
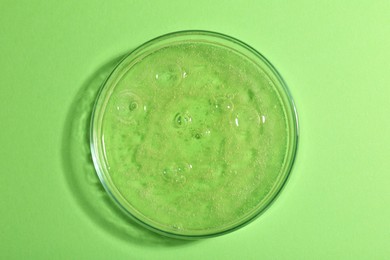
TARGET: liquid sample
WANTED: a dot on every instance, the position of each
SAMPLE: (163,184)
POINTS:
(195,138)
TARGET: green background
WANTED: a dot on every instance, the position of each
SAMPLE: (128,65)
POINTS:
(334,55)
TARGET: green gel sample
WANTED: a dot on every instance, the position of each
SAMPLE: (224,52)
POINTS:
(193,137)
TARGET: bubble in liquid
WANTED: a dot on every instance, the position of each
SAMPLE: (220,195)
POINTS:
(180,179)
(167,174)
(222,103)
(133,106)
(177,226)
(127,106)
(182,120)
(247,116)
(168,75)
(176,173)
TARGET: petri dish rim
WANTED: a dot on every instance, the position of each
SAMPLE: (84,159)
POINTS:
(116,75)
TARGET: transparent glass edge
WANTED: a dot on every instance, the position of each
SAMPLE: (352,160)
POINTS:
(294,149)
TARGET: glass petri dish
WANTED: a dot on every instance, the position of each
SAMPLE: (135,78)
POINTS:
(194,134)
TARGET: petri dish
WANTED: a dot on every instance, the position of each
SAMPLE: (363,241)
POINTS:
(194,134)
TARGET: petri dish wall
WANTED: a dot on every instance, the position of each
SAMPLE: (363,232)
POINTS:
(194,134)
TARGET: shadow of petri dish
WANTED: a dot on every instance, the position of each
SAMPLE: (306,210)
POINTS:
(81,176)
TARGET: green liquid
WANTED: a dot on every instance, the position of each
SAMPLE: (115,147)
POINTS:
(195,137)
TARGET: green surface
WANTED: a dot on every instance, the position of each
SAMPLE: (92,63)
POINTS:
(334,55)
(194,138)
